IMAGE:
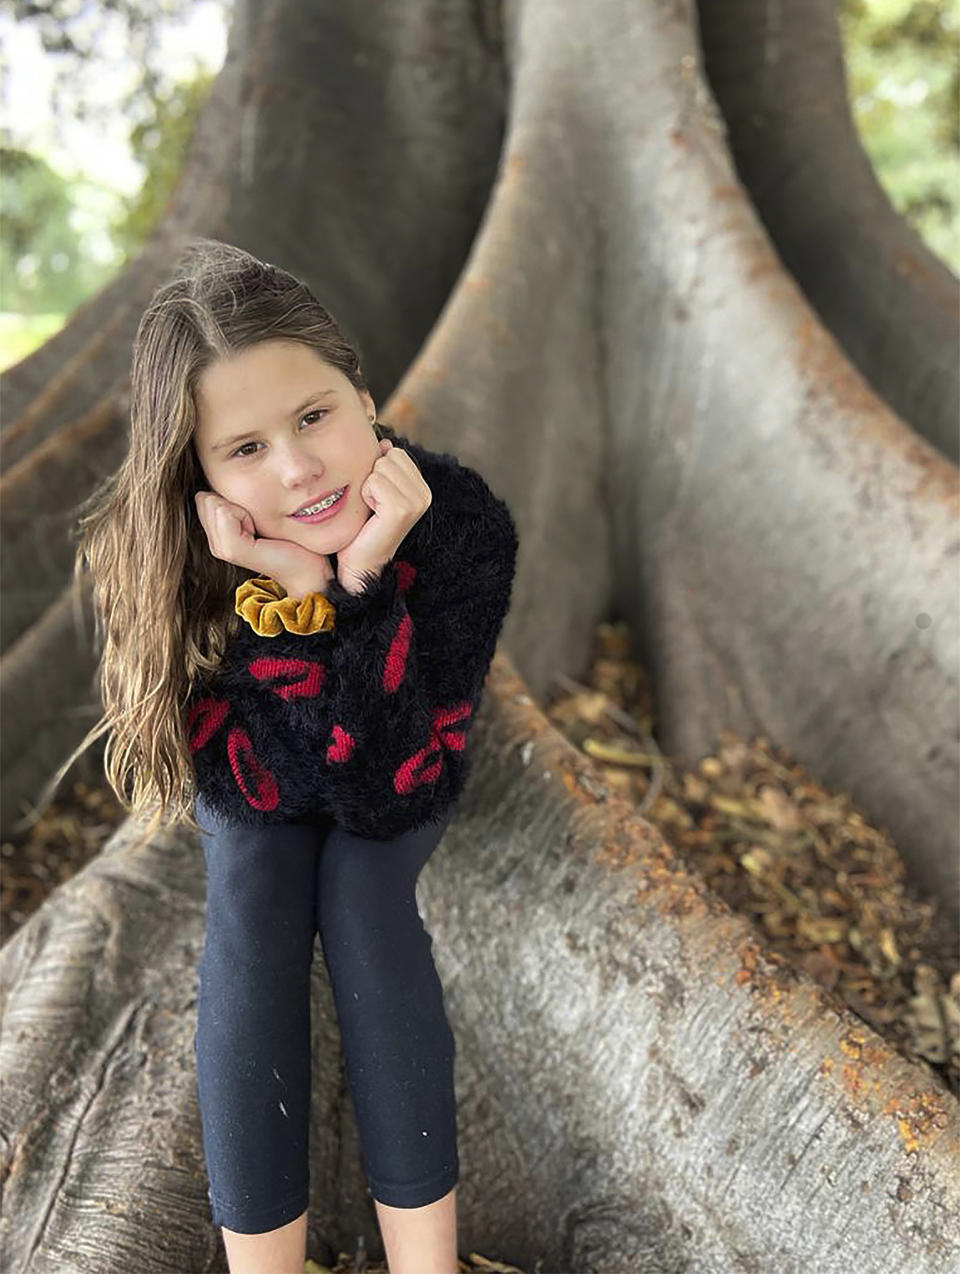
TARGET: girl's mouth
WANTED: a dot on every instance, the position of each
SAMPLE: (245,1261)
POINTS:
(325,514)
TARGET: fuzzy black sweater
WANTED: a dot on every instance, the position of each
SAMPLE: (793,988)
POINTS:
(367,724)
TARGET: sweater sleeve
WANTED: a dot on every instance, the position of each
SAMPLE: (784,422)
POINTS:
(248,732)
(404,692)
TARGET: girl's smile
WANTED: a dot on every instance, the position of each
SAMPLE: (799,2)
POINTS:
(324,515)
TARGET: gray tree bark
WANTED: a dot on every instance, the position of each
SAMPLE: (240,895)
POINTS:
(529,219)
(777,73)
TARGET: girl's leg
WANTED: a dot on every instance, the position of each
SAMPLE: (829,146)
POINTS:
(398,1047)
(252,1043)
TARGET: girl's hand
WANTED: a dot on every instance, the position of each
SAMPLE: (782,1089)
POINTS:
(399,495)
(232,538)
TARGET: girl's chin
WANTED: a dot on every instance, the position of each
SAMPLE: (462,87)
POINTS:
(314,534)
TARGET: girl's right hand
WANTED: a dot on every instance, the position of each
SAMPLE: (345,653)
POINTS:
(232,538)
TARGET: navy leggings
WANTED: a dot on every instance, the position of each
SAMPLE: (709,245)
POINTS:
(269,891)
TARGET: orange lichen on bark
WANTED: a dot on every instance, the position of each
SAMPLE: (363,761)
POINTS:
(919,1115)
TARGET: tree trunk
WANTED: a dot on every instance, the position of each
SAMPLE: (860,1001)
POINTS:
(589,311)
(640,1084)
(778,75)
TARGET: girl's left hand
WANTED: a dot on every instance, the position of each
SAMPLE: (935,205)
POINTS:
(399,495)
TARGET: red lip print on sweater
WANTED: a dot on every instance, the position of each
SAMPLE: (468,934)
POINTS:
(311,675)
(208,715)
(341,748)
(249,773)
(257,783)
(410,774)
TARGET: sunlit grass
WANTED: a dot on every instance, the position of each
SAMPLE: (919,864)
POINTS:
(21,334)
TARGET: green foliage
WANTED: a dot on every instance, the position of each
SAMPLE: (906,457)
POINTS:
(43,268)
(160,144)
(46,266)
(902,62)
(44,271)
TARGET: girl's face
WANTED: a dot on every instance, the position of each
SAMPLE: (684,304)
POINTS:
(278,427)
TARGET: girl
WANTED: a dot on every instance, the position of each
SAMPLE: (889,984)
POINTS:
(314,716)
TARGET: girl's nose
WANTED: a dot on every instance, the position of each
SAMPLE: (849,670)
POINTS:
(297,468)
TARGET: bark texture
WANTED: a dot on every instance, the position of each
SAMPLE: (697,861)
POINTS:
(778,75)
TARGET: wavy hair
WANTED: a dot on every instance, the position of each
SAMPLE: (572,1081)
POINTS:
(163,604)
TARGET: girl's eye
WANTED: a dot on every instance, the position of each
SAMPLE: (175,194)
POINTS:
(318,411)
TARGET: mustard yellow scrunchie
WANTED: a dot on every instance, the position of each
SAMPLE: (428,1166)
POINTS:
(264,604)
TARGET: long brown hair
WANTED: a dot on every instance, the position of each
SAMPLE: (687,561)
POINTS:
(163,604)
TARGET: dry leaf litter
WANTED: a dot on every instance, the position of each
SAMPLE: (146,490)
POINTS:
(824,886)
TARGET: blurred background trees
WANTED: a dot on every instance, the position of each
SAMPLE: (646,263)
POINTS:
(903,76)
(48,265)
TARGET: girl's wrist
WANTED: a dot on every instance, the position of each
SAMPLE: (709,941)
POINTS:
(299,589)
(351,579)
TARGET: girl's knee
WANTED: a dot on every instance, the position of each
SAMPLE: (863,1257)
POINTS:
(260,894)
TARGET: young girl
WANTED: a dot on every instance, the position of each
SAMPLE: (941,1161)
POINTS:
(300,607)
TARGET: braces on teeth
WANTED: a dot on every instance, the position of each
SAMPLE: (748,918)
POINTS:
(323,504)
